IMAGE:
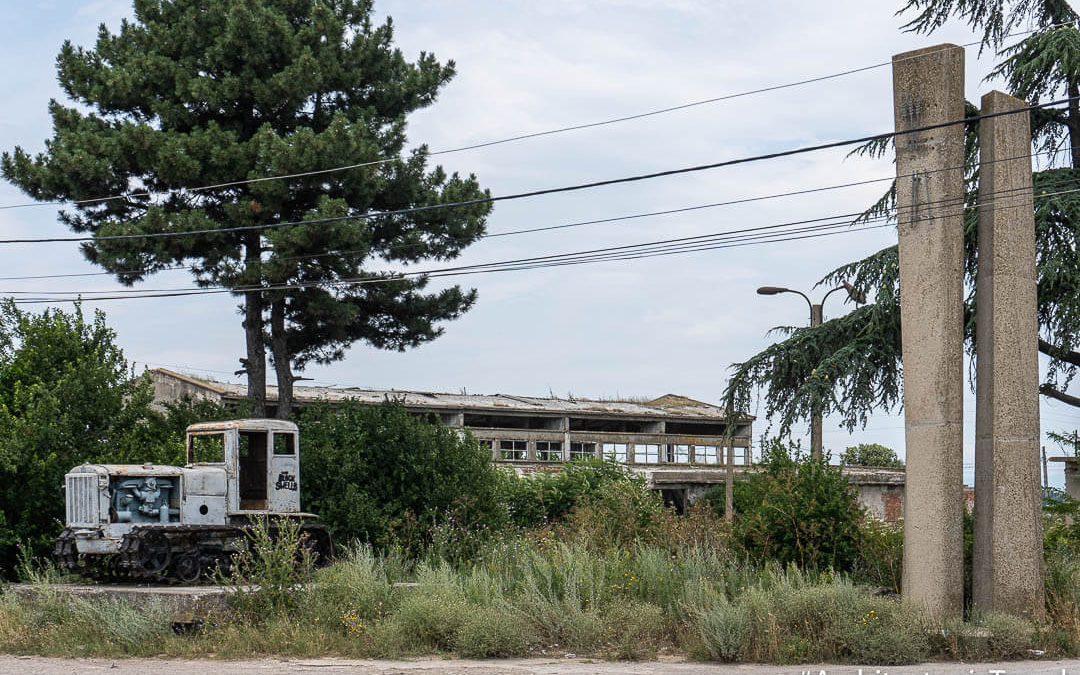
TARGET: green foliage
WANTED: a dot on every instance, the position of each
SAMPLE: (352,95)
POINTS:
(848,366)
(188,94)
(797,510)
(377,474)
(538,498)
(881,554)
(1069,442)
(67,398)
(270,573)
(996,18)
(529,600)
(872,454)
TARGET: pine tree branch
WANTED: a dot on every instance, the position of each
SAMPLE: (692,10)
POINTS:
(1059,353)
(1050,391)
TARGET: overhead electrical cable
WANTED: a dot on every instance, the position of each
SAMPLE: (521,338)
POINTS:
(547,191)
(626,252)
(511,139)
(843,218)
(579,223)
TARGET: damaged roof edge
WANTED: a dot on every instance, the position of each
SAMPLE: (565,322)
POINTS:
(668,406)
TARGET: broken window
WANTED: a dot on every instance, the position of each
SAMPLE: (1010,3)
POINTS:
(549,451)
(706,454)
(284,444)
(206,448)
(616,451)
(582,450)
(646,453)
(487,446)
(678,454)
(513,450)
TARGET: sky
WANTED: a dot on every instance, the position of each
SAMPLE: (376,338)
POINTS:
(636,328)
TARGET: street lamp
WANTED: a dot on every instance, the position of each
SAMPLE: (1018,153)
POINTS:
(816,319)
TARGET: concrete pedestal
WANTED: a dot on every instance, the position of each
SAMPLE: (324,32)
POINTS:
(928,89)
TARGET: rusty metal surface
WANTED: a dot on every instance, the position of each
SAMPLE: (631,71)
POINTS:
(133,470)
(255,424)
(669,406)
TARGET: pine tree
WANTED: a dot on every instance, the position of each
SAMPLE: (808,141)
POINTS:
(194,93)
(851,366)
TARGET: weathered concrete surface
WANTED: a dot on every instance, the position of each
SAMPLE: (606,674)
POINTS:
(1072,475)
(183,601)
(24,665)
(928,89)
(1007,563)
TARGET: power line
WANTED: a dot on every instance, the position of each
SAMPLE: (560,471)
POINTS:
(697,243)
(626,252)
(486,144)
(546,191)
(595,255)
(583,222)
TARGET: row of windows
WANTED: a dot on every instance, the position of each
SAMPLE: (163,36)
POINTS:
(638,453)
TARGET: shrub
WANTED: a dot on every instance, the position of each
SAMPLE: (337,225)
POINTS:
(492,631)
(797,510)
(723,629)
(270,575)
(357,589)
(539,498)
(881,554)
(377,474)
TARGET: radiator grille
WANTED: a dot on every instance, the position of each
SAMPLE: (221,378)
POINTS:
(82,499)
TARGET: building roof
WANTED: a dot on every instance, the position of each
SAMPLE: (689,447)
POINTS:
(667,406)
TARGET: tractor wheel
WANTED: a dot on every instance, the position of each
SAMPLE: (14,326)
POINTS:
(154,552)
(187,567)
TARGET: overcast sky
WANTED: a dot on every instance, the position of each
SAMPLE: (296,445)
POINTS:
(638,328)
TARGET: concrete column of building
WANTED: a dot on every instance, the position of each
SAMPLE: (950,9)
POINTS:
(928,89)
(1072,478)
(1008,553)
(566,439)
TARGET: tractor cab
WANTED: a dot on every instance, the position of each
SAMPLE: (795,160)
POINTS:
(256,461)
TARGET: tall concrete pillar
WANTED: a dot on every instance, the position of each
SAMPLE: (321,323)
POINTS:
(1007,563)
(928,89)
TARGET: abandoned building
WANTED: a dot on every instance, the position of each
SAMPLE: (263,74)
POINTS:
(683,447)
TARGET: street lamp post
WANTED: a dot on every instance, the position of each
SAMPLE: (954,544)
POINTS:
(817,317)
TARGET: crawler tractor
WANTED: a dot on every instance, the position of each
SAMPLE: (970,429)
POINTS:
(175,524)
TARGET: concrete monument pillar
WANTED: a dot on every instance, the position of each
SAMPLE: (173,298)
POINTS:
(928,89)
(1007,562)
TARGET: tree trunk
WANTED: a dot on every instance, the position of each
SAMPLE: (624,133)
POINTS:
(282,359)
(255,364)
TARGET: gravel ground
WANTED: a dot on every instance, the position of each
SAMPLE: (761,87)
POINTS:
(34,665)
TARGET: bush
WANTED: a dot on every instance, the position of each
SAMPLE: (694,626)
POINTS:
(377,474)
(797,510)
(270,575)
(723,629)
(539,498)
(881,554)
(492,631)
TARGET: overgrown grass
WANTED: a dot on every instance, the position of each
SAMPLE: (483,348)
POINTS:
(528,598)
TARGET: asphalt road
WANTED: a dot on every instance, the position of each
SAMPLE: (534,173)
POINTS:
(34,665)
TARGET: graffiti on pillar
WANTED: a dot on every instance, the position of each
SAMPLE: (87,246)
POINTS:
(920,197)
(911,110)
